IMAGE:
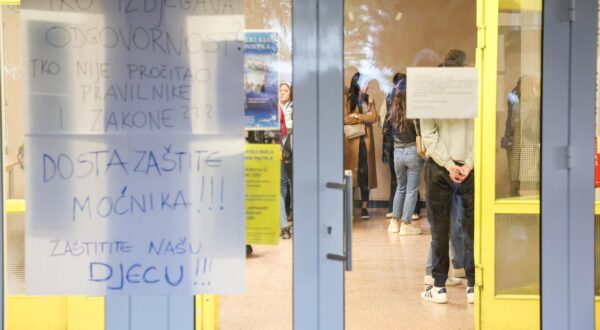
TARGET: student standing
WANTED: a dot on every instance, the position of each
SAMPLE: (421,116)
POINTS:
(449,144)
(407,166)
(359,152)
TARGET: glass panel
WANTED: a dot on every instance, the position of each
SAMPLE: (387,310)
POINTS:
(268,296)
(381,40)
(269,268)
(517,254)
(518,108)
(14,149)
(11,72)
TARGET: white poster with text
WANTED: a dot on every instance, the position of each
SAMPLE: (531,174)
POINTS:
(442,92)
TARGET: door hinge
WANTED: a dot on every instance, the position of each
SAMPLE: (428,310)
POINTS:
(481,39)
(572,10)
(479,276)
(569,157)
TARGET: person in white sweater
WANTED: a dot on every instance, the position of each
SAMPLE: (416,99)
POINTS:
(449,144)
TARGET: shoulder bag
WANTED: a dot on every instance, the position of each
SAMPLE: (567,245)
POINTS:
(354,131)
(421,151)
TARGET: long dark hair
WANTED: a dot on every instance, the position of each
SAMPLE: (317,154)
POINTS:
(398,118)
(354,91)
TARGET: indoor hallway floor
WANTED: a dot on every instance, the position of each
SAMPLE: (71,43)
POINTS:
(382,290)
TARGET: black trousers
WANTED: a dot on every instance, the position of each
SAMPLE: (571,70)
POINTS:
(440,193)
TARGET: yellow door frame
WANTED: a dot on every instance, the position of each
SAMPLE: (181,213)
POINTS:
(495,311)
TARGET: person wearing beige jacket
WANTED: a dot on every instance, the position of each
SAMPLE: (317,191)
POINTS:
(359,152)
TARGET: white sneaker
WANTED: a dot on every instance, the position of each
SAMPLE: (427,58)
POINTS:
(415,217)
(409,229)
(450,281)
(389,215)
(435,295)
(470,294)
(393,227)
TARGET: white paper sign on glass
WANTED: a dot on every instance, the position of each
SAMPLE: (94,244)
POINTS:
(134,147)
(442,92)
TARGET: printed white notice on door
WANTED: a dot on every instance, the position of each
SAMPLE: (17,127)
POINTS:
(442,92)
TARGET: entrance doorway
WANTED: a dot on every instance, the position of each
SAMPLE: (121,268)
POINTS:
(382,40)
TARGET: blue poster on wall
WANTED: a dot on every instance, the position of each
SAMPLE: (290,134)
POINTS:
(261,62)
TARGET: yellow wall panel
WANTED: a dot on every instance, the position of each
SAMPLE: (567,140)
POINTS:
(85,313)
(36,313)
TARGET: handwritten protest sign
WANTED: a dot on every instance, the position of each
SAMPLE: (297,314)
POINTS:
(134,147)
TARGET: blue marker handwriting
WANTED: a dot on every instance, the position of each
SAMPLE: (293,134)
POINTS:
(67,166)
(120,274)
(127,204)
(75,248)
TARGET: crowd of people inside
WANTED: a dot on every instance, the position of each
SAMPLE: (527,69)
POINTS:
(440,149)
(444,147)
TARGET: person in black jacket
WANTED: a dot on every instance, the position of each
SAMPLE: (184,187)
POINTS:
(387,155)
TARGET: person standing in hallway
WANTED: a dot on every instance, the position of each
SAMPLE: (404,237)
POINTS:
(407,166)
(359,152)
(387,148)
(449,144)
(285,117)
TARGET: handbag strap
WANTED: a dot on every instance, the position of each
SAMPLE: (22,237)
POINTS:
(417,127)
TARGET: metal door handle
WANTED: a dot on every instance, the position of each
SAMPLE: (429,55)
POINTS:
(348,200)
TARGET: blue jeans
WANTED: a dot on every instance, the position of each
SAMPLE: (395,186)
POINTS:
(284,190)
(407,164)
(456,239)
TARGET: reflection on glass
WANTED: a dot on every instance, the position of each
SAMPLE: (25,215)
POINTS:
(518,107)
(381,40)
(13,166)
(269,268)
(517,254)
(14,148)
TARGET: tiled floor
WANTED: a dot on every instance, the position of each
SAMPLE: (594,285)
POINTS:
(382,291)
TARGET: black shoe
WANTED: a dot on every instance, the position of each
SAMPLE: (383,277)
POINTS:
(285,233)
(364,214)
(249,249)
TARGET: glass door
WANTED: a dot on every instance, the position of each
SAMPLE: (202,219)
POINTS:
(511,162)
(383,41)
(267,302)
